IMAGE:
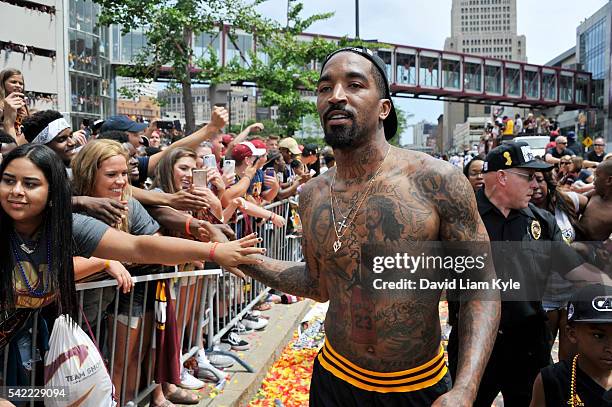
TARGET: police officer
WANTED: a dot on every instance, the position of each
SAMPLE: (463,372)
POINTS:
(532,249)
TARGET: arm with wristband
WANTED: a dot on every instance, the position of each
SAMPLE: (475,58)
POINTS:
(84,268)
(182,223)
(257,211)
(146,249)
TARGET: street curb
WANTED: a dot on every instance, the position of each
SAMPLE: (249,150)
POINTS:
(243,386)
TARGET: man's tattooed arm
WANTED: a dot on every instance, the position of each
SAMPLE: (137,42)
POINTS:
(296,278)
(480,311)
(289,277)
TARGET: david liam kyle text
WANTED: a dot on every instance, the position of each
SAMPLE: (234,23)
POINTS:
(446,284)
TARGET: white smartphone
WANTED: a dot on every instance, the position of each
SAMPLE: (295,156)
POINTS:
(210,161)
(312,173)
(199,179)
(229,167)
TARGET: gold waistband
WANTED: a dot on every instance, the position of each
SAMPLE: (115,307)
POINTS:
(417,378)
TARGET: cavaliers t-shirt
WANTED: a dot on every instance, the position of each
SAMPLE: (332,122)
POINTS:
(32,269)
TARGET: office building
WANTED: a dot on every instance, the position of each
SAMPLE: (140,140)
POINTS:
(480,27)
(134,87)
(63,54)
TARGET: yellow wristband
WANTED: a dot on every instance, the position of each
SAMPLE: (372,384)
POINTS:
(107,264)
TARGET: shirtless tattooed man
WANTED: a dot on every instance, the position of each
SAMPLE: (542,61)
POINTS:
(382,348)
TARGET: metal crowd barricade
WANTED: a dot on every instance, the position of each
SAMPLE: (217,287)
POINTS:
(217,298)
(245,294)
(200,278)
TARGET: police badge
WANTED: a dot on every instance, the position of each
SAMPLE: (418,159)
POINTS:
(536,230)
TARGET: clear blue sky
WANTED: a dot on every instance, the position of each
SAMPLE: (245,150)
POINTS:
(549,25)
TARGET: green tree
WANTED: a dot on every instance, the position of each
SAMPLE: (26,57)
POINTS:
(169,27)
(401,126)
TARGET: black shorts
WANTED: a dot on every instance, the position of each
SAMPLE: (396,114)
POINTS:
(338,382)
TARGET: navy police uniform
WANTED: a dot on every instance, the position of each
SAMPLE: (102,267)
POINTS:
(527,247)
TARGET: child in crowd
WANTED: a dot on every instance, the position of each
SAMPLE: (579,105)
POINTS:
(586,378)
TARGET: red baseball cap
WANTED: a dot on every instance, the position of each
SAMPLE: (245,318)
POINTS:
(246,149)
(259,144)
(226,139)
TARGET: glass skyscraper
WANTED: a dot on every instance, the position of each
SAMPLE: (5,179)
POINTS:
(594,52)
(88,63)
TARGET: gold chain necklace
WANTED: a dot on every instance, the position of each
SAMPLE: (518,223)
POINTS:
(354,209)
(573,395)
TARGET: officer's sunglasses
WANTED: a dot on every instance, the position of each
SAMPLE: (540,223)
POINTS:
(530,177)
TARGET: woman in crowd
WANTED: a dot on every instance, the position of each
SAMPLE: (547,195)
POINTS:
(530,124)
(100,170)
(311,159)
(13,103)
(576,172)
(473,172)
(41,236)
(566,207)
(564,168)
(174,173)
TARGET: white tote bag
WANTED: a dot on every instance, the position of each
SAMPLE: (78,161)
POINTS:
(74,363)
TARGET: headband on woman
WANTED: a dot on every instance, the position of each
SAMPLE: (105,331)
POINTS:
(51,131)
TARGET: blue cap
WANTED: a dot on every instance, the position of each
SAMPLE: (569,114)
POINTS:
(122,123)
(571,135)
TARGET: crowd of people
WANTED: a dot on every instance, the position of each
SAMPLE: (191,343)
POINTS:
(504,127)
(562,144)
(141,180)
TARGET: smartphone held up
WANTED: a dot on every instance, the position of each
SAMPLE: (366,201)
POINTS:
(199,178)
(229,167)
(210,161)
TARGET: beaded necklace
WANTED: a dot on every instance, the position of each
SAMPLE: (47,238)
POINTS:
(45,281)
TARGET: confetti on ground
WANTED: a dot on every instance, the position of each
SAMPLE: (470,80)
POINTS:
(288,381)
